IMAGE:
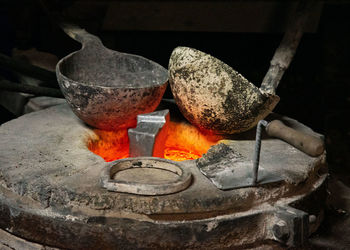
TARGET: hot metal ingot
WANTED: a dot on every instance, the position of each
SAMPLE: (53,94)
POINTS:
(148,138)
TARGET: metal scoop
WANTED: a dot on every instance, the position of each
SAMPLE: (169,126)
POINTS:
(105,88)
(216,98)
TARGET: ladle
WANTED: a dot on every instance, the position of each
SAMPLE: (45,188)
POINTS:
(105,88)
(216,98)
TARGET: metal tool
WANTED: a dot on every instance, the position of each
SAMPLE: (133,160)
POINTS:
(148,138)
(235,171)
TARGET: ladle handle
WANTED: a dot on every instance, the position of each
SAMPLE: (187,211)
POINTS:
(311,145)
(80,35)
(287,48)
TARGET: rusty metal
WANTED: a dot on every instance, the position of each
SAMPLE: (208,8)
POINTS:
(291,226)
(148,138)
(280,230)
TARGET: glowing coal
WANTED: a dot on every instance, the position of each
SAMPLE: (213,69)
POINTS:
(184,142)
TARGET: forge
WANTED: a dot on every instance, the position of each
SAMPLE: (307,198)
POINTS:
(182,142)
(51,192)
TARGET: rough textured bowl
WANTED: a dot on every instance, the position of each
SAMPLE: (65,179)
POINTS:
(108,89)
(213,96)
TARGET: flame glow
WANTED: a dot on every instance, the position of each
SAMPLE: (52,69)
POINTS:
(184,142)
(110,145)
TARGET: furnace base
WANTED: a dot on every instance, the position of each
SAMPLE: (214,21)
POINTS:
(50,194)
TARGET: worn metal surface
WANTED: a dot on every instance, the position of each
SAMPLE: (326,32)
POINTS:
(291,226)
(232,170)
(108,89)
(148,138)
(49,181)
(213,96)
(146,187)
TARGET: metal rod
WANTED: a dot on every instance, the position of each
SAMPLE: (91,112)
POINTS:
(256,158)
(41,91)
(28,69)
(288,46)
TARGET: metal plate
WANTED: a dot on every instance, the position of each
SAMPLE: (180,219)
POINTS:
(239,177)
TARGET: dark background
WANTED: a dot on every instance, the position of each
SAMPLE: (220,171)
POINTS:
(314,90)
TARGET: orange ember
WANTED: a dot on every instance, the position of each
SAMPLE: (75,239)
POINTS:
(110,145)
(184,142)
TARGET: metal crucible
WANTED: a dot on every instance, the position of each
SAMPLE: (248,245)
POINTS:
(107,89)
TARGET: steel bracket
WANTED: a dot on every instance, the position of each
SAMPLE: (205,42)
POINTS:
(290,226)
